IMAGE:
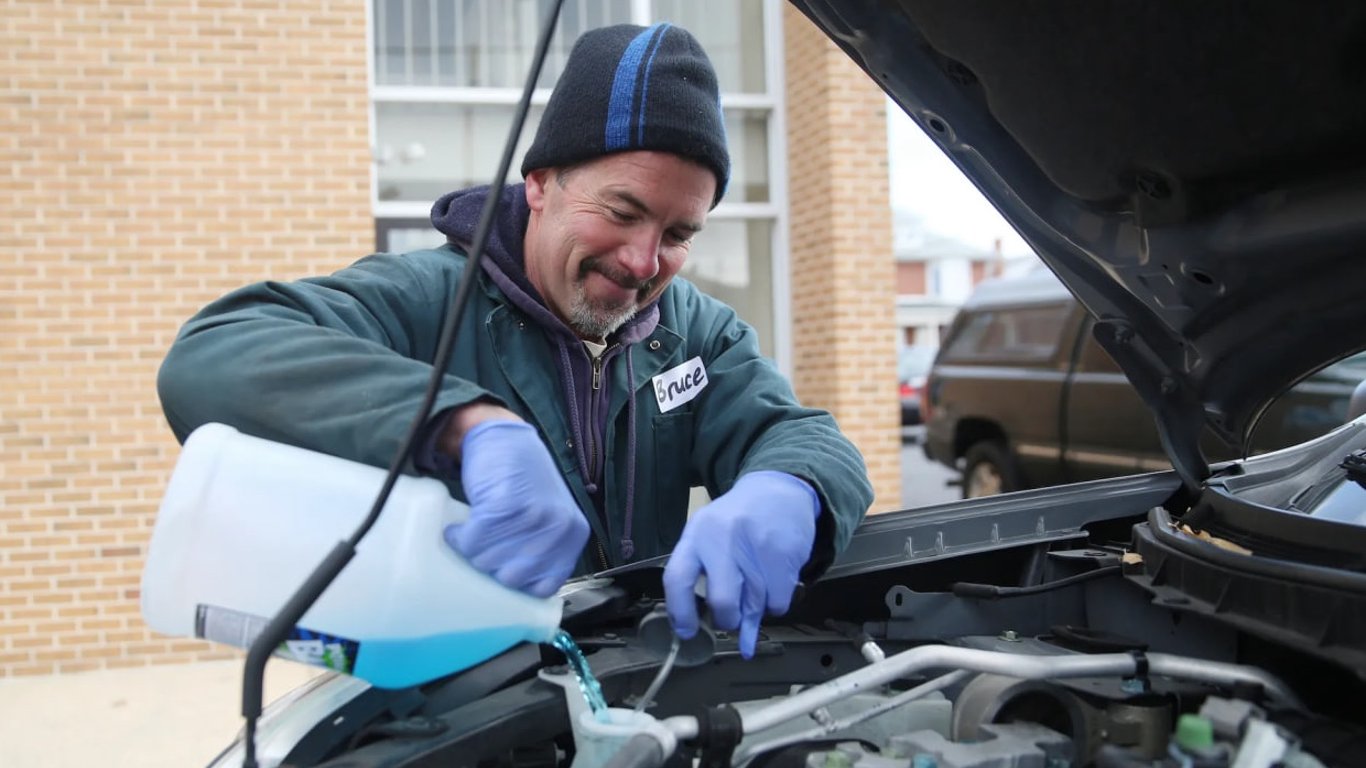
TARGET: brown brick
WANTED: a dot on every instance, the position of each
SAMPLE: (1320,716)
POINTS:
(843,277)
(124,662)
(42,656)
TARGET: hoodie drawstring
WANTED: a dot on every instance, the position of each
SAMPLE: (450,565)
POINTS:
(575,422)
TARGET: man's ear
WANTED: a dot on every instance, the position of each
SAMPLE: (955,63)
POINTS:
(536,183)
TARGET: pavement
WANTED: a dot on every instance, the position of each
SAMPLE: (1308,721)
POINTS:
(924,482)
(168,716)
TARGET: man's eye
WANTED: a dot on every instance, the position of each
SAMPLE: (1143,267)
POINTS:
(619,215)
(678,238)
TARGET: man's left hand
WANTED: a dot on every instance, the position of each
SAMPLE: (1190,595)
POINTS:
(751,543)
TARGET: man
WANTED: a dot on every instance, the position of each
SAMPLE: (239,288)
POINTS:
(589,389)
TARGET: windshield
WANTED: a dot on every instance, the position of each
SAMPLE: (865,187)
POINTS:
(1313,407)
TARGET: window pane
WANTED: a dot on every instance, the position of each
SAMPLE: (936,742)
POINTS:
(968,339)
(578,17)
(732,260)
(1033,331)
(732,33)
(404,235)
(420,42)
(1015,334)
(747,139)
(477,43)
(427,150)
(389,36)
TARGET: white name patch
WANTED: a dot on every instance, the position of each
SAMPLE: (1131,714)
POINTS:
(677,386)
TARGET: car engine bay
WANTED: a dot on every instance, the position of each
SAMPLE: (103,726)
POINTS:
(1099,624)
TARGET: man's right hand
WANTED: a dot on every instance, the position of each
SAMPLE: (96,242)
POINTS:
(524,528)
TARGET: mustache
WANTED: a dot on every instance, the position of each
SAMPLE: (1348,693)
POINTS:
(617,275)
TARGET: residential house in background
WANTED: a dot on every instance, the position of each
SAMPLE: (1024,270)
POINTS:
(935,274)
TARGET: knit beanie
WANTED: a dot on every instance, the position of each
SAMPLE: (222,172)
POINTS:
(628,88)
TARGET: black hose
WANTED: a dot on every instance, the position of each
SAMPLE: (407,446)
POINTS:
(992,592)
(640,751)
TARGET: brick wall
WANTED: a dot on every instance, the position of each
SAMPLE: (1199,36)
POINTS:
(910,278)
(843,277)
(160,153)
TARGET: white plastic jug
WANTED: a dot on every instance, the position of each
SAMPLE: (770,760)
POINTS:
(245,520)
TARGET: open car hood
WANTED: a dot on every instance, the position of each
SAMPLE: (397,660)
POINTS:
(1195,173)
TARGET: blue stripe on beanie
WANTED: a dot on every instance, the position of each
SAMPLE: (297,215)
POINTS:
(645,86)
(618,134)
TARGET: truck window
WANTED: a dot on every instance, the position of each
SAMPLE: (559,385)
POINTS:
(1018,334)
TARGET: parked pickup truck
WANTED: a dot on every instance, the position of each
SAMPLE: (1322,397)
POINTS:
(1021,396)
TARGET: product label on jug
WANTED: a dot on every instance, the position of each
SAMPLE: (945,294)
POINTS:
(224,625)
(320,650)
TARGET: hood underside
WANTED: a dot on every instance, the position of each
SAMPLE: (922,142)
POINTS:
(1194,172)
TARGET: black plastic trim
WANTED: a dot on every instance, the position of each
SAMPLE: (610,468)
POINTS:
(1313,610)
(1284,535)
(1160,525)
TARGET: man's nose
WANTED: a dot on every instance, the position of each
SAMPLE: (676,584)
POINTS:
(640,256)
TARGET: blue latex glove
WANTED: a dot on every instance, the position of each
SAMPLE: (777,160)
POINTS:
(524,527)
(751,543)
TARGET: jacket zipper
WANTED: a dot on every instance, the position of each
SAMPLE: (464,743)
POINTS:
(592,426)
(602,554)
(591,449)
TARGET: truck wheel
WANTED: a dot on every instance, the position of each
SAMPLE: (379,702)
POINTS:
(988,470)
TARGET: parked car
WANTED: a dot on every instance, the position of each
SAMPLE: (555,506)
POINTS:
(1022,396)
(1194,174)
(912,365)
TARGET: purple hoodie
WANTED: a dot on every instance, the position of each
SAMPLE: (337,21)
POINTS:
(456,215)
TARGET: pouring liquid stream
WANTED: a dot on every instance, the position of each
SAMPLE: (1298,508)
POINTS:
(592,691)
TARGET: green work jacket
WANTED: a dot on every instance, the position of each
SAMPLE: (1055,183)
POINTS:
(339,364)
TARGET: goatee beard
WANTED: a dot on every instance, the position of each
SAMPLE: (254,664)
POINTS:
(592,322)
(597,322)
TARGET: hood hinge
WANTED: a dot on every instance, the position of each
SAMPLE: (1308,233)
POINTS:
(1180,415)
